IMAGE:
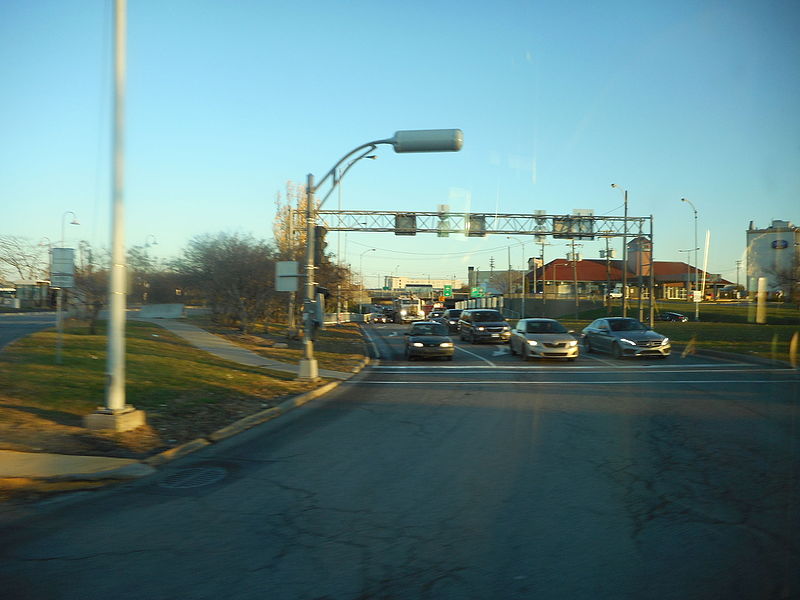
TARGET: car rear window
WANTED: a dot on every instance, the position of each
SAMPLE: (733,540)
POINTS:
(429,329)
(545,327)
(489,315)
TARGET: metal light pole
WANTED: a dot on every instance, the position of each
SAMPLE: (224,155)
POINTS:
(73,222)
(524,273)
(696,248)
(624,254)
(117,415)
(426,140)
(361,266)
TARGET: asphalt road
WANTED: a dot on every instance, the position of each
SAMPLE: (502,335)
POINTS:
(16,325)
(484,477)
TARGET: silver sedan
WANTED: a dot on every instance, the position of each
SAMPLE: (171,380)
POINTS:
(543,338)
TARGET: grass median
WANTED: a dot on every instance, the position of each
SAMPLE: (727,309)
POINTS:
(186,392)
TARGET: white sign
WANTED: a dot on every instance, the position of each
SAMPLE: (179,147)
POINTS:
(286,276)
(697,296)
(62,269)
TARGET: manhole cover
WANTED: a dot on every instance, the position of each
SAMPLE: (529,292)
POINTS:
(192,478)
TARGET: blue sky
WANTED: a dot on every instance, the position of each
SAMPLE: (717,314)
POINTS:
(227,101)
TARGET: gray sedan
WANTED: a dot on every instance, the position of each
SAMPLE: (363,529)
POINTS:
(624,336)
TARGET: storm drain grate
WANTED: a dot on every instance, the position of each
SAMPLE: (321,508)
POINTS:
(194,477)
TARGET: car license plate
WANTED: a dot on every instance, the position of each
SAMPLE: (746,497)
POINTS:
(495,335)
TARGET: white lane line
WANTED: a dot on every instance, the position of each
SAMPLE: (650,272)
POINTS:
(562,383)
(490,363)
(597,369)
(372,342)
(598,359)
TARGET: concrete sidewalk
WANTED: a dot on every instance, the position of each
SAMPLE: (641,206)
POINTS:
(222,348)
(61,467)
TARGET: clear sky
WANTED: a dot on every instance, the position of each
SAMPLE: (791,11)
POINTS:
(228,100)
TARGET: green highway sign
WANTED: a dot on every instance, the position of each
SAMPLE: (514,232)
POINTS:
(476,292)
(447,292)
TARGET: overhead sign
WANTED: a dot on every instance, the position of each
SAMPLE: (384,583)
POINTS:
(447,292)
(573,227)
(286,276)
(405,224)
(476,292)
(62,269)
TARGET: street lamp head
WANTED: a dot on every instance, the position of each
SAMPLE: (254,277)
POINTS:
(427,140)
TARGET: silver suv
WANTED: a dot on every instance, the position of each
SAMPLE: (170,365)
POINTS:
(483,324)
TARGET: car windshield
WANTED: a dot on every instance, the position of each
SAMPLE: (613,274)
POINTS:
(429,329)
(487,316)
(454,314)
(626,325)
(545,327)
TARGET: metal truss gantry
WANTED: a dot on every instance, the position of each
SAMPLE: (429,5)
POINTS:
(443,224)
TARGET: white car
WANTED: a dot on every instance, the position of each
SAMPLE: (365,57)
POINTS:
(543,338)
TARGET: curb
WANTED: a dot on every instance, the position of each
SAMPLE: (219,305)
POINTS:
(248,422)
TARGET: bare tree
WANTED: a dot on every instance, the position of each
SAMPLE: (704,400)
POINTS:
(234,274)
(22,259)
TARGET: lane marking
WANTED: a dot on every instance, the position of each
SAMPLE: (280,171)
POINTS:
(615,382)
(490,363)
(531,367)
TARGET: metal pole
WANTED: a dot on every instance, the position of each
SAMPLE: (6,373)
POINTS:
(696,248)
(290,324)
(115,366)
(308,364)
(607,299)
(652,276)
(625,260)
(575,280)
(524,281)
(59,324)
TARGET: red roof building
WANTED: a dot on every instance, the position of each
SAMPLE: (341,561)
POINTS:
(673,279)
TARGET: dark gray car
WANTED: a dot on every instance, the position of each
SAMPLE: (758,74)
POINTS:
(483,324)
(624,336)
(450,319)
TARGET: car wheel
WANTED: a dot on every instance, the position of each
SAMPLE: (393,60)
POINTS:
(523,352)
(616,351)
(588,345)
(511,348)
(472,337)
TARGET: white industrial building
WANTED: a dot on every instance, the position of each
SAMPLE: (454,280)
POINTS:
(774,253)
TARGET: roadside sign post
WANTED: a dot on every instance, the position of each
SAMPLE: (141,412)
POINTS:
(62,275)
(286,281)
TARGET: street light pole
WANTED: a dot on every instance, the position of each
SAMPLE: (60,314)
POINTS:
(361,267)
(73,222)
(425,140)
(696,248)
(624,255)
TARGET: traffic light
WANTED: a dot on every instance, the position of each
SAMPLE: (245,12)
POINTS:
(319,244)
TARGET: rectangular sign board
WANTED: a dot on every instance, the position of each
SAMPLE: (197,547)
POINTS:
(62,268)
(286,276)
